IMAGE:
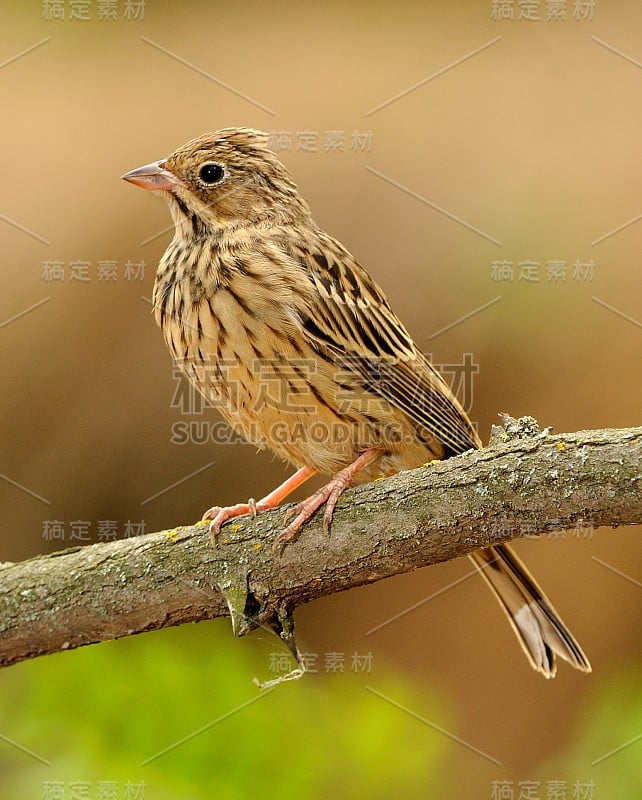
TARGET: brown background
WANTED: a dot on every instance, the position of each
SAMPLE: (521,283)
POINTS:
(534,141)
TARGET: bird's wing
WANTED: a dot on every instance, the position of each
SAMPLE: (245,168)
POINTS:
(349,318)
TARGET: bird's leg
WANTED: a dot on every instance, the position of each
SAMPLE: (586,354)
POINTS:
(328,494)
(220,514)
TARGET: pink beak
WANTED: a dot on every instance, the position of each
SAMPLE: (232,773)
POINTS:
(153,177)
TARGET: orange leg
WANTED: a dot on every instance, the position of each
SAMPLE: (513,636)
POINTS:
(220,514)
(328,494)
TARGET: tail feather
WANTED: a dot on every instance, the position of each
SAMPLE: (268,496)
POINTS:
(538,627)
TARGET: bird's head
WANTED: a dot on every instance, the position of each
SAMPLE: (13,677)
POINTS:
(221,179)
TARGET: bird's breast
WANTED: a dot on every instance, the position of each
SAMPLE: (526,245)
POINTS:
(238,337)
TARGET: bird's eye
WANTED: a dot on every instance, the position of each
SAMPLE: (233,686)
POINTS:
(211,173)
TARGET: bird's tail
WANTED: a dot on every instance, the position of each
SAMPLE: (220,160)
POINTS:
(538,627)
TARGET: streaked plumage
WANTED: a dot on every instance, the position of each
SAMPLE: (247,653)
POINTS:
(277,324)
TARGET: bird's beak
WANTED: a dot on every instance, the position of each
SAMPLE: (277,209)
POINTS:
(153,177)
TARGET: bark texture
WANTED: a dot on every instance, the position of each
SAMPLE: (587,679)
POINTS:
(525,483)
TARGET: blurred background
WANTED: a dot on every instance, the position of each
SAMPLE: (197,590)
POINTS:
(480,159)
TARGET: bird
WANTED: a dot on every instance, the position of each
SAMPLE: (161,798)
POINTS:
(281,329)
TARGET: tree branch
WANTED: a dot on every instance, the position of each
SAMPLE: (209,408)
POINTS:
(525,482)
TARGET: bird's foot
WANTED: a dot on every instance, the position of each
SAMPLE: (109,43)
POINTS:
(328,494)
(221,514)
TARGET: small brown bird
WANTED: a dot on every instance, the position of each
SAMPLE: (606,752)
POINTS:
(280,328)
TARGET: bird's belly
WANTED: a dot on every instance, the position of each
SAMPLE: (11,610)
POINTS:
(280,393)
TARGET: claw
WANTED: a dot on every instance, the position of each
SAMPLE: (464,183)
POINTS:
(327,519)
(211,512)
(289,533)
(221,514)
(291,511)
(214,532)
(214,528)
(330,505)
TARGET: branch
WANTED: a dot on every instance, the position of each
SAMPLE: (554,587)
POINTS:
(525,482)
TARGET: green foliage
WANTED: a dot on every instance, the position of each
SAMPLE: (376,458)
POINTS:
(99,712)
(174,699)
(608,747)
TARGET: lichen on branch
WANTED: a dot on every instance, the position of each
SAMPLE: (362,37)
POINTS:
(525,483)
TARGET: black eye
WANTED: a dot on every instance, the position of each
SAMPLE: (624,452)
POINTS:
(211,173)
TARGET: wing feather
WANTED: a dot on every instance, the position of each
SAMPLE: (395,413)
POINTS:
(349,318)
